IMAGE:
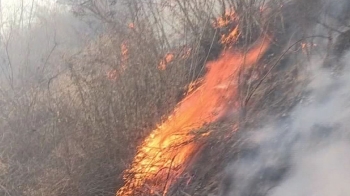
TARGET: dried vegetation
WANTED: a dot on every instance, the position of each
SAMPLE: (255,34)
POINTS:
(77,130)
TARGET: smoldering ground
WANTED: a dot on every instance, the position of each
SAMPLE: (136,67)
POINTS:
(305,153)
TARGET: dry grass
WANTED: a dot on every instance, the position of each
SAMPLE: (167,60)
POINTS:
(76,135)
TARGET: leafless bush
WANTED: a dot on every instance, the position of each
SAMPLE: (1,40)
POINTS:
(66,128)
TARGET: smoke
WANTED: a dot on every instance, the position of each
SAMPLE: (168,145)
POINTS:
(322,173)
(319,163)
(305,153)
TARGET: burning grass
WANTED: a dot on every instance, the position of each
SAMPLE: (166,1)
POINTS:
(220,78)
(162,156)
(269,87)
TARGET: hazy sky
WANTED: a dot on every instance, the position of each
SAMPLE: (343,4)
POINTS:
(11,9)
(13,14)
(10,6)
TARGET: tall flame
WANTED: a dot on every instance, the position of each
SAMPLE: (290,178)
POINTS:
(162,156)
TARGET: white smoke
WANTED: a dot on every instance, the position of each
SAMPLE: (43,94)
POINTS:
(325,172)
(307,153)
(320,161)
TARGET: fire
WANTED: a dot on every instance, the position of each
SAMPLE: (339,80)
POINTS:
(114,73)
(124,54)
(193,85)
(165,61)
(231,37)
(162,156)
(228,21)
(170,57)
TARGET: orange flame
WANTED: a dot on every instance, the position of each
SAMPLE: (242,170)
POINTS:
(165,61)
(124,54)
(231,37)
(170,57)
(228,21)
(114,73)
(162,156)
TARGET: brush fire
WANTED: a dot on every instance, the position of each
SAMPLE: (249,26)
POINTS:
(163,155)
(175,98)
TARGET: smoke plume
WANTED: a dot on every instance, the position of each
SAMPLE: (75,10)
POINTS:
(305,153)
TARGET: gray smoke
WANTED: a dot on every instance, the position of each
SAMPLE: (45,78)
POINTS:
(319,161)
(306,153)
